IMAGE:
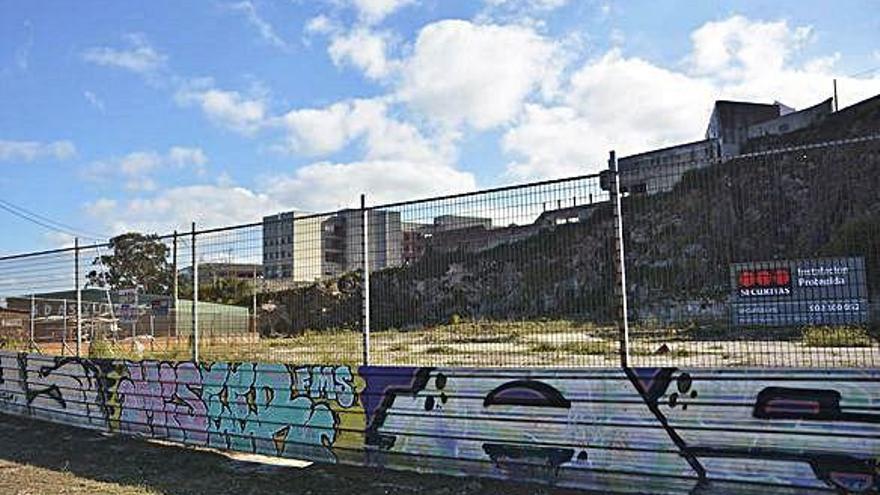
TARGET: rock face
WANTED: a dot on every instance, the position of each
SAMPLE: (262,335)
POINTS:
(793,204)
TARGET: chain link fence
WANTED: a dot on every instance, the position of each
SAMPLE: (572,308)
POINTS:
(769,258)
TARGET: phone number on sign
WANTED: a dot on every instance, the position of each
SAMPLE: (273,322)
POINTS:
(833,307)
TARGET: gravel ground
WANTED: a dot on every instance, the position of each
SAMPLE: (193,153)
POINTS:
(43,458)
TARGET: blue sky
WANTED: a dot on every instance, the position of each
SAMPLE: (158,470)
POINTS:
(148,115)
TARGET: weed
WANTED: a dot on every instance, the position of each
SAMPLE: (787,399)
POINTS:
(828,336)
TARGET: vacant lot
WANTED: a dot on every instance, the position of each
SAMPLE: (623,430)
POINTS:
(550,343)
(43,458)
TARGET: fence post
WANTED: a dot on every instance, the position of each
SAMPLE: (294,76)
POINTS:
(64,327)
(619,262)
(78,297)
(175,287)
(32,344)
(366,292)
(255,300)
(195,299)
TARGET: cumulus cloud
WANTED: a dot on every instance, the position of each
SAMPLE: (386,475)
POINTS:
(135,169)
(629,104)
(139,56)
(374,11)
(29,151)
(325,186)
(323,131)
(737,47)
(397,161)
(175,208)
(527,4)
(229,109)
(461,72)
(363,49)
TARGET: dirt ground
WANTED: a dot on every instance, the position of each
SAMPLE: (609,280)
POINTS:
(43,458)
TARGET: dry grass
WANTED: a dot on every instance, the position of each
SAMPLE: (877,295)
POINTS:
(550,343)
(45,458)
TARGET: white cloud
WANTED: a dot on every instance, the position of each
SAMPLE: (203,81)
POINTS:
(93,99)
(326,186)
(528,4)
(59,240)
(181,156)
(323,131)
(139,56)
(320,24)
(738,47)
(135,169)
(174,208)
(319,131)
(267,33)
(374,11)
(398,161)
(23,52)
(631,105)
(478,74)
(554,142)
(28,151)
(228,109)
(640,104)
(363,49)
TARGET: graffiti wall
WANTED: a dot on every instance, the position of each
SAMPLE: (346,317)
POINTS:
(662,430)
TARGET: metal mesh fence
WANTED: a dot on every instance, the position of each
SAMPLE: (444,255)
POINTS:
(515,276)
(769,258)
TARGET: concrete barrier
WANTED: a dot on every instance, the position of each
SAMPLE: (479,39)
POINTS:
(654,430)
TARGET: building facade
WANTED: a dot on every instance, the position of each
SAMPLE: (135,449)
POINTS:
(792,121)
(300,247)
(659,170)
(730,122)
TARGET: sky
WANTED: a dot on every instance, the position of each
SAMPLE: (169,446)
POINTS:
(148,115)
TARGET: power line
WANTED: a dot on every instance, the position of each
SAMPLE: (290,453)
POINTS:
(866,71)
(48,223)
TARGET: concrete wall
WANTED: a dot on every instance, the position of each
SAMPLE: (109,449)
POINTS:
(660,430)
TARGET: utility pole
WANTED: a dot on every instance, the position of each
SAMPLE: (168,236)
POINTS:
(836,106)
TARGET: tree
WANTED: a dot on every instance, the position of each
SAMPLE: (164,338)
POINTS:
(137,260)
(232,291)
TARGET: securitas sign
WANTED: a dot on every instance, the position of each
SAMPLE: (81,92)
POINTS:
(799,292)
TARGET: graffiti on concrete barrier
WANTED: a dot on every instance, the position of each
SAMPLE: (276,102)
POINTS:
(677,431)
(270,409)
(162,400)
(70,386)
(253,407)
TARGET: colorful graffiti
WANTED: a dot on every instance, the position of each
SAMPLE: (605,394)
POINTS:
(672,430)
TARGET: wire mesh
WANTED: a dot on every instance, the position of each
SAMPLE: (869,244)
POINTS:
(769,258)
(518,276)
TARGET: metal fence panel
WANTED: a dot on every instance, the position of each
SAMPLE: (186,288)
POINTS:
(766,259)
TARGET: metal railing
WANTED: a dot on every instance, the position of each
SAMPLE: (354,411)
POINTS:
(769,258)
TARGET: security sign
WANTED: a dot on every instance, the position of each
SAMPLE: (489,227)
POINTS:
(827,291)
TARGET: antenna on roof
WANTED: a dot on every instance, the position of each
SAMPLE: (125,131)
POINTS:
(834,81)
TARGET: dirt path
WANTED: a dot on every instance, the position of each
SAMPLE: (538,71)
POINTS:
(43,458)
